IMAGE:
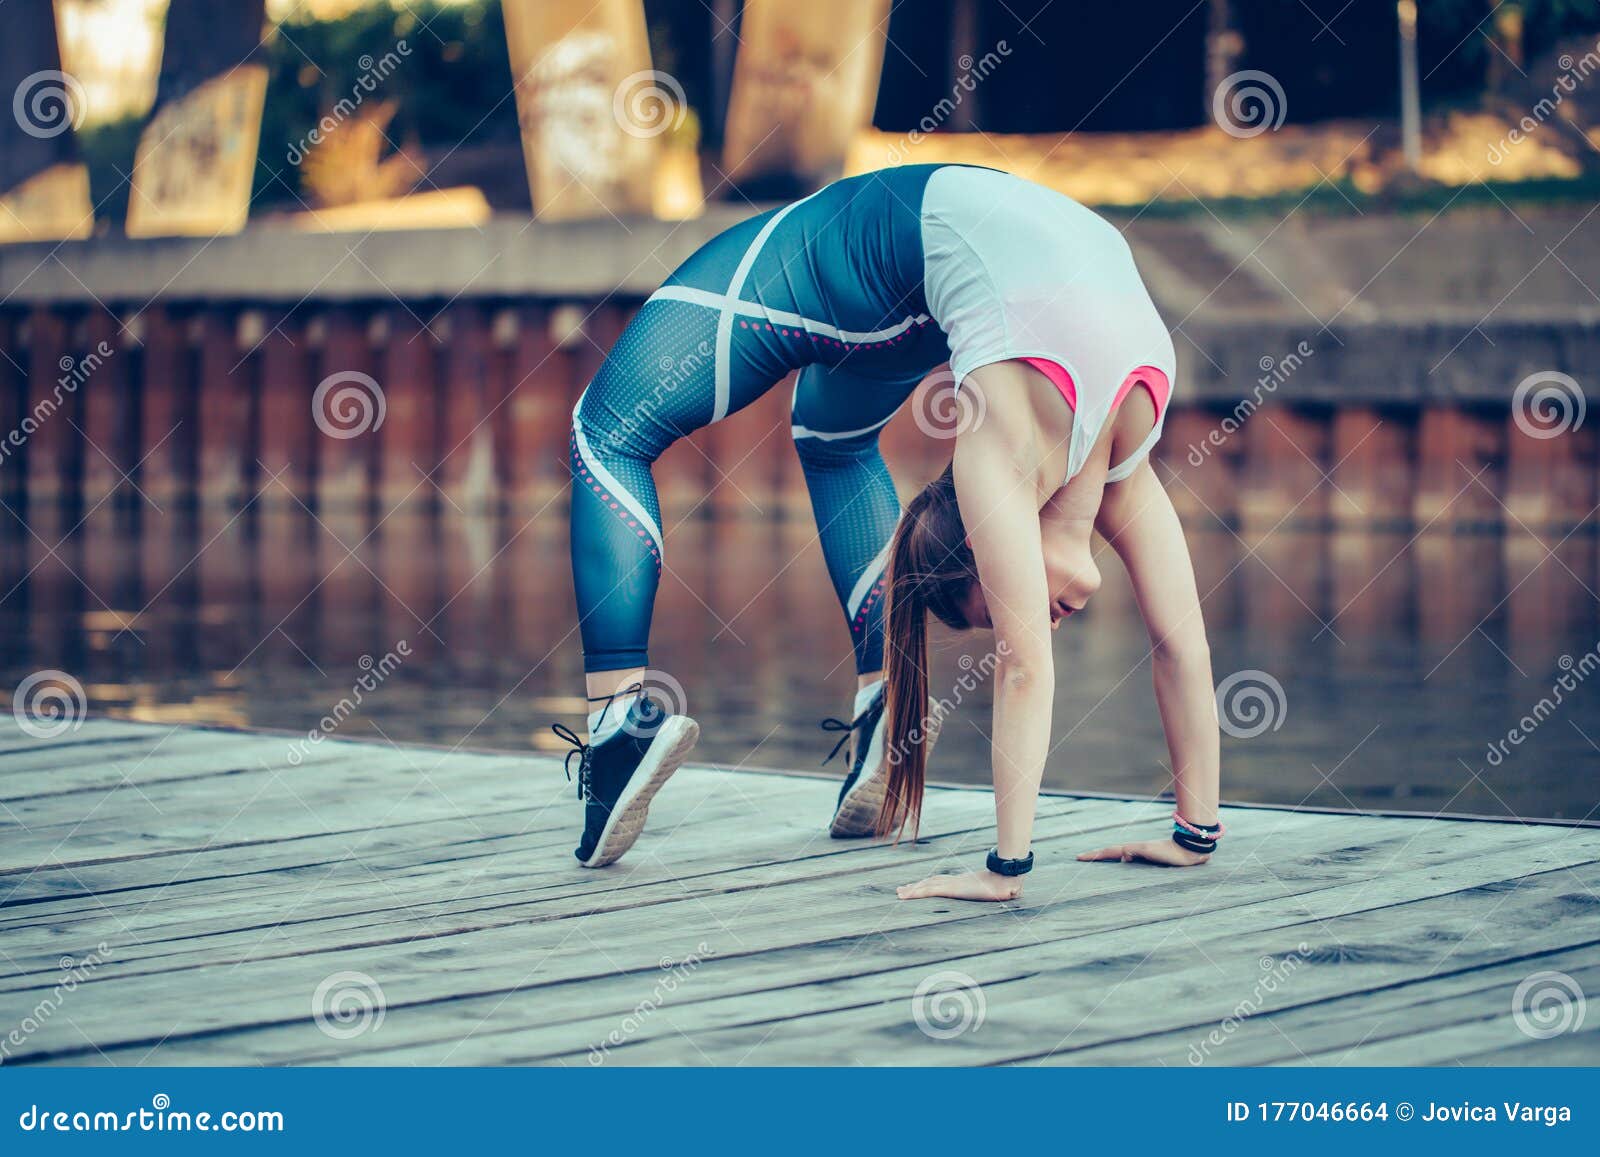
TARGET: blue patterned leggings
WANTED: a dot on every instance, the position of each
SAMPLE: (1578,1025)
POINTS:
(657,386)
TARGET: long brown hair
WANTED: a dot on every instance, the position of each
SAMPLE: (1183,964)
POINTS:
(931,570)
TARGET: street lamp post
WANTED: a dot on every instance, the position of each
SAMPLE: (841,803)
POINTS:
(1410,92)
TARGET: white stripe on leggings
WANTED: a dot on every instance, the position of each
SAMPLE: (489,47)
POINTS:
(609,481)
(868,580)
(737,308)
(799,431)
(725,317)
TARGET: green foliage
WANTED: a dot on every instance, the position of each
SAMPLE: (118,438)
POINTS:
(1543,20)
(452,83)
(108,151)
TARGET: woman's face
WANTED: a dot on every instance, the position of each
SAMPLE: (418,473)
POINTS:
(1070,573)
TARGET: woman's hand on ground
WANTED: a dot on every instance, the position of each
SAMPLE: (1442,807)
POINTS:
(980,885)
(1164,852)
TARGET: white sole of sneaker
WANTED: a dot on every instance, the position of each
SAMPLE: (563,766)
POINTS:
(857,814)
(672,743)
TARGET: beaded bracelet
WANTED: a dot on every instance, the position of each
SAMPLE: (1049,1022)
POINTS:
(1200,838)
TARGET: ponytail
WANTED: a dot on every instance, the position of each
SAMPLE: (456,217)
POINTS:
(931,571)
(905,688)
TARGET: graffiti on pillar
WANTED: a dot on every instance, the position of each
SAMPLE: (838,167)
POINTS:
(805,80)
(572,61)
(569,104)
(196,159)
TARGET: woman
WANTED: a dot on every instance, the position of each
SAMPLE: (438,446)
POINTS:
(864,287)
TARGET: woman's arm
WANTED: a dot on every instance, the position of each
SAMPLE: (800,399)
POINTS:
(995,468)
(1003,529)
(1137,519)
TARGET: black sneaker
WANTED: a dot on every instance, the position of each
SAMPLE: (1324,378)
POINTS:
(861,796)
(619,776)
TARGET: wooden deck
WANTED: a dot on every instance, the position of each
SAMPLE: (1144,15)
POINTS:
(235,893)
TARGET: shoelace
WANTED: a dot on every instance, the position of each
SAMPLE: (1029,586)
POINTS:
(584,751)
(581,750)
(832,723)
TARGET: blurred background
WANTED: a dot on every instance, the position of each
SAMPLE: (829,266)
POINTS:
(296,297)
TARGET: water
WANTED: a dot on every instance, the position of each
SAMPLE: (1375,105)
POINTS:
(1400,662)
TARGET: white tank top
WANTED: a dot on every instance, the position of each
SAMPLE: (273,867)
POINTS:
(1012,270)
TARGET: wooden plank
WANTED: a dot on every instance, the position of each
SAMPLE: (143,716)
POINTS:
(250,805)
(873,981)
(833,961)
(537,861)
(632,937)
(635,939)
(23,752)
(538,886)
(1478,1021)
(227,883)
(1158,978)
(180,755)
(206,871)
(202,864)
(545,1023)
(1332,1028)
(545,874)
(1576,1048)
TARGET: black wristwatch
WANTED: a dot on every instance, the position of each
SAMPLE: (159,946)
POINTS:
(1009,867)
